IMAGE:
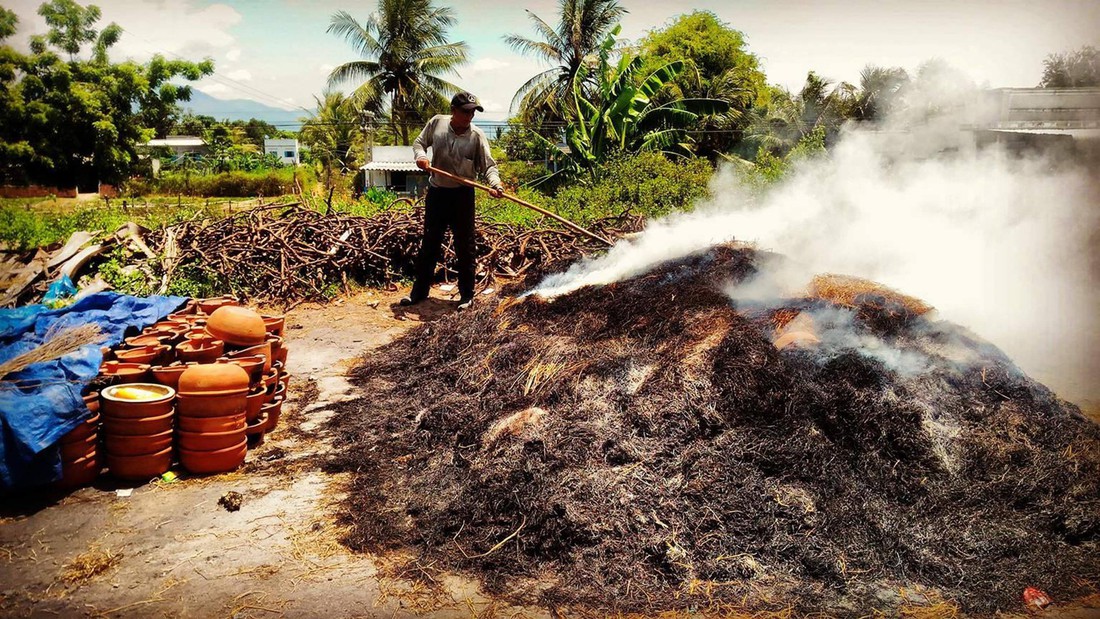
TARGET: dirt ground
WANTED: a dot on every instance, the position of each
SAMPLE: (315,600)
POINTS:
(170,550)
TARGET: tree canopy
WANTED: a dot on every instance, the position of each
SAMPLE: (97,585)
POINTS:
(80,120)
(1076,69)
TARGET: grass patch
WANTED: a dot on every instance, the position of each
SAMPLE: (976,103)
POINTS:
(87,565)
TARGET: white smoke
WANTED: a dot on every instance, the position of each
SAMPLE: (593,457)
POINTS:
(1004,245)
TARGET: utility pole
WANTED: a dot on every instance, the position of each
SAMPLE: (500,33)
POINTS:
(366,124)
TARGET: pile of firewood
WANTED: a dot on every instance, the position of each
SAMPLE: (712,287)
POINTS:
(286,252)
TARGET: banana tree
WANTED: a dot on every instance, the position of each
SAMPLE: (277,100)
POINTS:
(624,118)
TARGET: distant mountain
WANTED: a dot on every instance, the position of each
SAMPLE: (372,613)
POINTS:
(242,109)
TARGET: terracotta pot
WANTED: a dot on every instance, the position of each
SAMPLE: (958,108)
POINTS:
(213,304)
(274,324)
(284,380)
(187,317)
(74,450)
(256,399)
(124,373)
(80,472)
(210,441)
(253,365)
(143,354)
(169,375)
(281,357)
(271,379)
(212,424)
(91,400)
(141,467)
(88,427)
(278,389)
(190,352)
(276,343)
(137,444)
(272,410)
(238,326)
(212,406)
(259,350)
(259,426)
(124,401)
(136,426)
(220,461)
(153,338)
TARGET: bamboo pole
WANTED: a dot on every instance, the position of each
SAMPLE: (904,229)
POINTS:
(568,224)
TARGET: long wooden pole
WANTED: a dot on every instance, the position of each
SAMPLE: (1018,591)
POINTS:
(568,224)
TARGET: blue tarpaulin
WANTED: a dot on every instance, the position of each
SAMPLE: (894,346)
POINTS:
(43,402)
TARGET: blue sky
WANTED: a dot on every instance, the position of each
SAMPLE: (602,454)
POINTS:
(277,51)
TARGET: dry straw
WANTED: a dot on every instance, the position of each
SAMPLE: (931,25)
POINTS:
(58,343)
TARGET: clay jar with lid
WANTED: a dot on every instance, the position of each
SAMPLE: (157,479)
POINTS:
(200,350)
(213,390)
(213,304)
(119,373)
(237,326)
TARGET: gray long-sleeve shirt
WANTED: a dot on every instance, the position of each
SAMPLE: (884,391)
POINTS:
(466,155)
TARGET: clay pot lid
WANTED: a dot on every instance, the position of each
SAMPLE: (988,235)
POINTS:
(213,379)
(138,393)
(174,368)
(119,368)
(238,326)
(198,345)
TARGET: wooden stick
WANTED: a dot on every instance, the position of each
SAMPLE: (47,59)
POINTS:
(568,224)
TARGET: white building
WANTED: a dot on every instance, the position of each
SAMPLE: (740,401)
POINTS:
(285,149)
(394,167)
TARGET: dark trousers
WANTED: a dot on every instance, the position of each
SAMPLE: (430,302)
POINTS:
(443,208)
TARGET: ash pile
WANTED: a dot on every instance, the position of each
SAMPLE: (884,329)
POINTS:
(653,445)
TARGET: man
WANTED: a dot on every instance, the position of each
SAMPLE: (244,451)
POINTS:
(462,149)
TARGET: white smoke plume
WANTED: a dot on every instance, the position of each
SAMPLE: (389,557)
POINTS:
(1004,245)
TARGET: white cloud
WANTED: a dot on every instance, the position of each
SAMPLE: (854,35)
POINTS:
(213,89)
(233,55)
(241,75)
(484,65)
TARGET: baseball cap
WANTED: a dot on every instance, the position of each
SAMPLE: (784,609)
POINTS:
(467,102)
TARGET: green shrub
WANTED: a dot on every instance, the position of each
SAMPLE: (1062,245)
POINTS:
(268,183)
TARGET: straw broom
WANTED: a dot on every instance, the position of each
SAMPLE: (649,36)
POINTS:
(57,344)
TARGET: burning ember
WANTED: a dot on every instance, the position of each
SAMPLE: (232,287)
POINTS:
(652,445)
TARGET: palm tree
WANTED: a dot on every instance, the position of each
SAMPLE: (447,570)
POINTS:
(405,53)
(330,133)
(581,30)
(878,89)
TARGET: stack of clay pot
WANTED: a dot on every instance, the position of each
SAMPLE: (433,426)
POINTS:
(212,401)
(138,422)
(80,459)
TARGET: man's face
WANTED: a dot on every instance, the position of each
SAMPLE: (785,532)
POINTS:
(460,118)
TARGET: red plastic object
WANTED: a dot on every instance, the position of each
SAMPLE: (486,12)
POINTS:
(1036,598)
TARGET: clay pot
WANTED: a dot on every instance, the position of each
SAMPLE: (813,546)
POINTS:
(256,431)
(210,441)
(213,390)
(187,317)
(143,467)
(212,424)
(76,449)
(91,400)
(274,324)
(190,352)
(277,390)
(271,379)
(80,472)
(137,444)
(284,380)
(119,373)
(256,399)
(142,354)
(88,427)
(238,326)
(220,461)
(169,375)
(276,343)
(138,426)
(118,404)
(153,338)
(281,357)
(259,350)
(254,365)
(213,304)
(272,410)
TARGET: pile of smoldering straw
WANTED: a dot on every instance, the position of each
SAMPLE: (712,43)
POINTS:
(644,446)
